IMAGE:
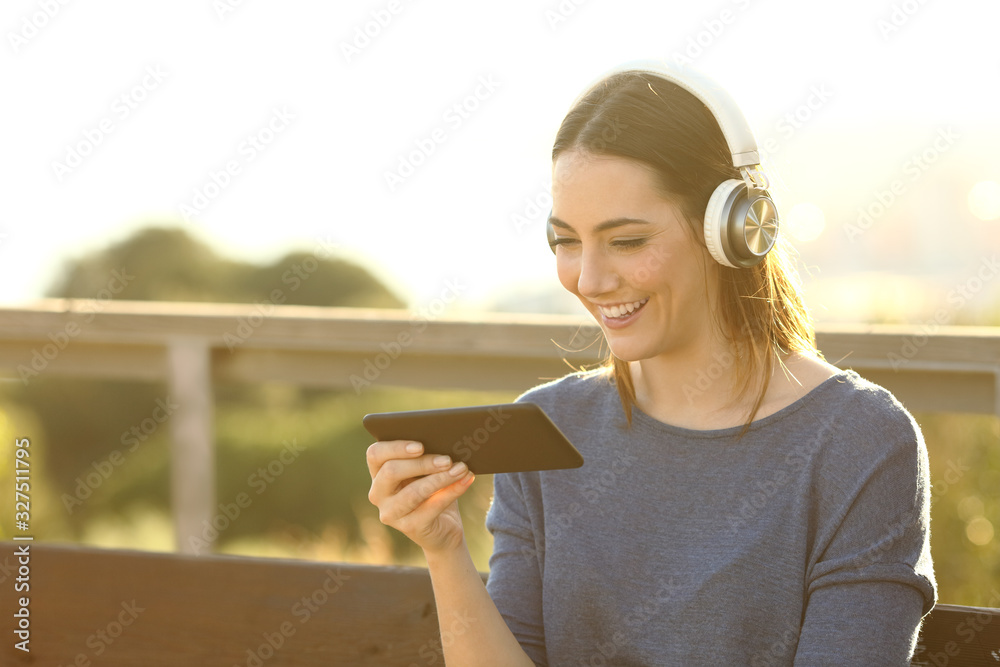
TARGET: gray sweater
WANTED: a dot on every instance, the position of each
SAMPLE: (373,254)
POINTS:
(806,542)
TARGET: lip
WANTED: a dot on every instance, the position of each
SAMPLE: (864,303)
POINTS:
(622,322)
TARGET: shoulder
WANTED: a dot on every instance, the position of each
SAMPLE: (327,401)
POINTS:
(858,427)
(847,424)
(845,395)
(873,408)
(578,386)
(579,403)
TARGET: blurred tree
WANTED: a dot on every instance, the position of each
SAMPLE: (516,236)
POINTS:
(86,420)
(167,264)
(164,265)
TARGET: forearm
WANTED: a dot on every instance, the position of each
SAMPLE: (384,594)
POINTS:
(473,631)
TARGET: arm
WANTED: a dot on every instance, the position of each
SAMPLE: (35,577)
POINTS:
(872,623)
(478,634)
(515,582)
(873,580)
(418,495)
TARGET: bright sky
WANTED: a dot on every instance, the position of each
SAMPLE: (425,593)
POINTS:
(273,125)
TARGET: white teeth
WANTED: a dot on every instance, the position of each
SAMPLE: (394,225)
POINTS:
(623,309)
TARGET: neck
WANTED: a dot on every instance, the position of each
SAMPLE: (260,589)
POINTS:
(694,387)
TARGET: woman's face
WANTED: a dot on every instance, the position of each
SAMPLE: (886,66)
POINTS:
(630,256)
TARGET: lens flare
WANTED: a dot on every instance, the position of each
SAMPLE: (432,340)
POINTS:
(984,200)
(805,222)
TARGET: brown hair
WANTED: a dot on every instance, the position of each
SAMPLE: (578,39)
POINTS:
(642,117)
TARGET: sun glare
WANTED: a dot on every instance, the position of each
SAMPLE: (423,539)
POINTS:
(805,222)
(984,200)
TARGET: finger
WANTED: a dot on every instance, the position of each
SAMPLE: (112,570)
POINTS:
(396,474)
(418,491)
(425,521)
(442,499)
(383,450)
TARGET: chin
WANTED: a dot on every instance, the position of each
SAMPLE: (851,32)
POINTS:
(628,351)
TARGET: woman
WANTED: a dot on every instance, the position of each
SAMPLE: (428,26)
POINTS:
(743,502)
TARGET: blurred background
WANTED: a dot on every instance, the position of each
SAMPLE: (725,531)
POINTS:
(207,146)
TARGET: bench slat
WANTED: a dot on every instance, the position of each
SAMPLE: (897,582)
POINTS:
(219,610)
(123,608)
(959,636)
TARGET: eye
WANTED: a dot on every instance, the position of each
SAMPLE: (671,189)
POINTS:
(629,244)
(561,240)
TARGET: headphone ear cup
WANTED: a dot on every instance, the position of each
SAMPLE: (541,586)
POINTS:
(741,225)
(717,219)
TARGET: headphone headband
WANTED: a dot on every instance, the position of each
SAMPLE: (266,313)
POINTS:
(737,131)
(741,220)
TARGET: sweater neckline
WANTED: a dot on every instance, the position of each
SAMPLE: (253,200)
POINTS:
(845,375)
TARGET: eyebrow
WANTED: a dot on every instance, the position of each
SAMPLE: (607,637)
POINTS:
(607,224)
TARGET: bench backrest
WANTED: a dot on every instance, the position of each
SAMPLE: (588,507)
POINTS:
(109,608)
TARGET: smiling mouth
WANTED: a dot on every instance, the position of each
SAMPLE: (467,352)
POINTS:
(622,310)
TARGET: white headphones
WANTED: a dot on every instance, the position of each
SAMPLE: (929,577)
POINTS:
(741,220)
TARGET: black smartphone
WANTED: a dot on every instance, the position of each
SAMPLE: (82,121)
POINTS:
(507,437)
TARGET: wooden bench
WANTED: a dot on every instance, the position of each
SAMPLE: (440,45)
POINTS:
(103,607)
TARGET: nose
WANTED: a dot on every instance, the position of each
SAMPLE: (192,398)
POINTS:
(597,272)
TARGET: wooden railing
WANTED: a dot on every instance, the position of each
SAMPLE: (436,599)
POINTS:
(126,608)
(192,345)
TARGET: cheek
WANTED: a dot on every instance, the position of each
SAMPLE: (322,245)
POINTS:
(650,267)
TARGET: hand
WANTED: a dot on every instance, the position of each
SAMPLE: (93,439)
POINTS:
(417,494)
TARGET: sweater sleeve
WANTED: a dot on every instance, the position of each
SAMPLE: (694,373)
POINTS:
(873,579)
(515,579)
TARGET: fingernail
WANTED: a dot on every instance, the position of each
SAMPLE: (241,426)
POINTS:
(442,461)
(468,480)
(413,447)
(457,469)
